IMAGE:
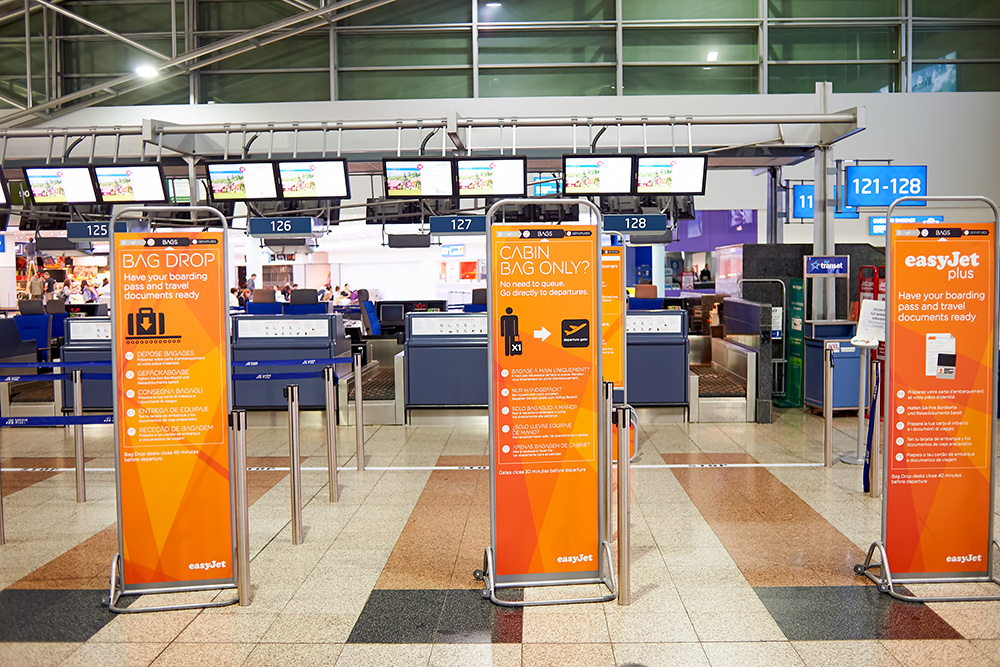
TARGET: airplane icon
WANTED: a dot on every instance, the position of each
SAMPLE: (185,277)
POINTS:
(573,329)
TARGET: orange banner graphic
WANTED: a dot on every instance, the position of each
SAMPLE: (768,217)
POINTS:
(940,400)
(546,394)
(613,315)
(175,521)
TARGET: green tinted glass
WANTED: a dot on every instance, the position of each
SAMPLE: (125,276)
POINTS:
(546,10)
(978,42)
(123,18)
(981,9)
(106,57)
(404,85)
(284,87)
(166,91)
(688,9)
(796,9)
(388,50)
(244,15)
(833,44)
(689,44)
(845,78)
(691,80)
(295,52)
(413,12)
(545,81)
(547,46)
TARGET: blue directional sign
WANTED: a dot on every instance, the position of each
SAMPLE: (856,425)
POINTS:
(655,223)
(876,224)
(293,227)
(452,225)
(802,206)
(880,185)
(91,231)
(827,265)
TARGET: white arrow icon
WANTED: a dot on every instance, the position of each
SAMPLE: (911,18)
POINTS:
(542,333)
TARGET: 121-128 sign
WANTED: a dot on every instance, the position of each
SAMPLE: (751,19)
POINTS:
(880,185)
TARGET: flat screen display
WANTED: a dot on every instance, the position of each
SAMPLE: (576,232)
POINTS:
(240,181)
(419,178)
(598,175)
(314,179)
(492,177)
(671,175)
(141,184)
(60,185)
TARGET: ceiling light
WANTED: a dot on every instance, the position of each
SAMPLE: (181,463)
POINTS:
(713,56)
(147,71)
(494,4)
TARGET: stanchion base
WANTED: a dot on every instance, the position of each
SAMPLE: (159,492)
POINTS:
(886,585)
(114,594)
(851,459)
(490,592)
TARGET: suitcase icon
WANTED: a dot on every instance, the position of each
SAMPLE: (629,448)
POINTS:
(146,322)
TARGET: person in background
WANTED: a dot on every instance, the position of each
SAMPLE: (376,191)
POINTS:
(243,298)
(88,292)
(286,292)
(104,291)
(252,283)
(36,286)
(67,289)
(50,286)
(705,275)
(279,296)
(234,302)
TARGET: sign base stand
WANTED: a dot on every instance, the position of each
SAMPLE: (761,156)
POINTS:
(886,585)
(115,592)
(486,575)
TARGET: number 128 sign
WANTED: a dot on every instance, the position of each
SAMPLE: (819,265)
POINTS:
(880,185)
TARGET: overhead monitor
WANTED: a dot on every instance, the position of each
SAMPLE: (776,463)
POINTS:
(242,181)
(137,184)
(671,174)
(60,185)
(492,177)
(314,179)
(424,177)
(598,175)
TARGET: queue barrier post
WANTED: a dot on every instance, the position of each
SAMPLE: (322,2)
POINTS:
(81,482)
(608,455)
(359,413)
(329,379)
(624,519)
(3,539)
(875,457)
(243,588)
(827,406)
(295,461)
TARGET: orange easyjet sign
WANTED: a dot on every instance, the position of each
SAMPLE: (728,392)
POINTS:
(171,410)
(546,347)
(613,315)
(939,416)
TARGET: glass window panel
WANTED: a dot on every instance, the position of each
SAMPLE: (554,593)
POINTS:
(284,87)
(981,9)
(301,51)
(689,44)
(414,12)
(845,78)
(123,18)
(963,78)
(691,80)
(404,85)
(167,91)
(243,15)
(688,9)
(979,42)
(546,81)
(797,9)
(389,50)
(546,10)
(546,46)
(833,44)
(102,57)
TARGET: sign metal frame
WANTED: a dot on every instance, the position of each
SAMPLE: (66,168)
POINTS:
(118,586)
(884,579)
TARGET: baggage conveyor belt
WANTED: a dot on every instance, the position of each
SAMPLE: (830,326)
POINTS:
(712,384)
(379,385)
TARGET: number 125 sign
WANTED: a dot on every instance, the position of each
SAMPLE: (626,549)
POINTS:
(880,185)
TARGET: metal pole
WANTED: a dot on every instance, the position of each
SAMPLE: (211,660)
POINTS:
(27,53)
(359,412)
(243,588)
(81,482)
(607,455)
(875,465)
(827,407)
(331,433)
(3,539)
(295,462)
(624,523)
(858,458)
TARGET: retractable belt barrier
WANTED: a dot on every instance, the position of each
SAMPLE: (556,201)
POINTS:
(293,362)
(68,420)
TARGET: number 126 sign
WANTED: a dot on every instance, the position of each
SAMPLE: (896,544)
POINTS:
(880,185)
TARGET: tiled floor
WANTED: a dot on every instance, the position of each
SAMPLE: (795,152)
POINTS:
(730,565)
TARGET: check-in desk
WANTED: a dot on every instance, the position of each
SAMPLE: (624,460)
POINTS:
(89,339)
(264,338)
(846,363)
(657,350)
(446,364)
